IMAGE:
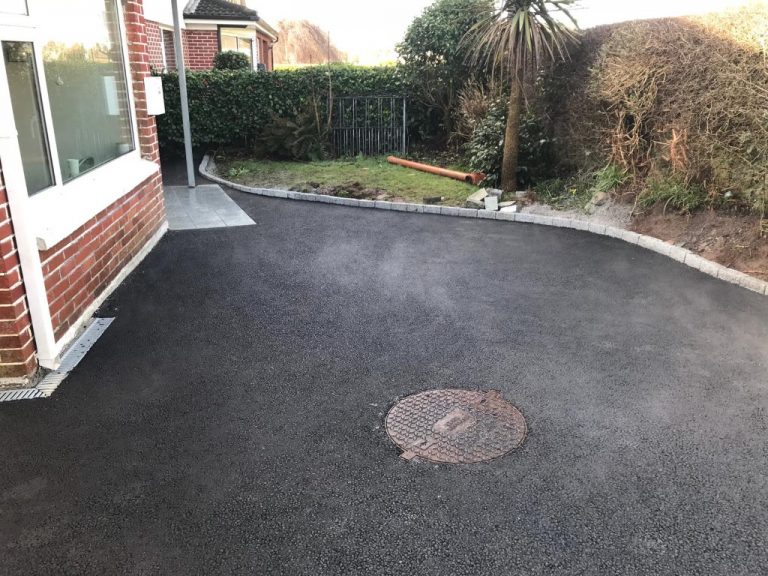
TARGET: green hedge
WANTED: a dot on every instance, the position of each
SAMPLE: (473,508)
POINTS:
(233,107)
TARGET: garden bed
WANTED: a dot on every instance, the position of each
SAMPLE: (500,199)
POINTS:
(361,178)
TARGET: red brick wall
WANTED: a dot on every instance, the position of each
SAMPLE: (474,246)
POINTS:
(78,269)
(265,51)
(17,347)
(170,49)
(155,45)
(200,48)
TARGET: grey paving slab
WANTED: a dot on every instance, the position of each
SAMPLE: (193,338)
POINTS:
(206,206)
(230,421)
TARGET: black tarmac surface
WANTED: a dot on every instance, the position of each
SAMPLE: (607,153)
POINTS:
(230,421)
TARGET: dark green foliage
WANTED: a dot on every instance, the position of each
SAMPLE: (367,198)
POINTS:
(306,137)
(434,60)
(235,108)
(485,149)
(231,60)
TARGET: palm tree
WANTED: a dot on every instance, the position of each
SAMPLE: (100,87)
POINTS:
(513,41)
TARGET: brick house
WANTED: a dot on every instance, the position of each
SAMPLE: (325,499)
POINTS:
(209,27)
(81,197)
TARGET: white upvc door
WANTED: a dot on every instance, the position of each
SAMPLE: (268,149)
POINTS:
(16,189)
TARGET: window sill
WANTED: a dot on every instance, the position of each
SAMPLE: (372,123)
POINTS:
(59,211)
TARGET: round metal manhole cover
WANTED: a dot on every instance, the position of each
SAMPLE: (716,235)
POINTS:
(455,426)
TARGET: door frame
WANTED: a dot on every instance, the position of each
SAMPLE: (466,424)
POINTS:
(18,198)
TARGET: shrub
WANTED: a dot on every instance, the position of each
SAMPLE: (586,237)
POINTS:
(231,60)
(234,108)
(485,149)
(684,98)
(434,59)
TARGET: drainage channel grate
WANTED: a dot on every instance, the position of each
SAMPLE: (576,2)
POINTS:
(71,358)
(455,426)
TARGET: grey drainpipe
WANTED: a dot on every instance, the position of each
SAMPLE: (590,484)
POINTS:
(179,48)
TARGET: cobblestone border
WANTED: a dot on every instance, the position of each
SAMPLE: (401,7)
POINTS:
(682,255)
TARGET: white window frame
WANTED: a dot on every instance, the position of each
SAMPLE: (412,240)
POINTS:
(62,208)
(45,219)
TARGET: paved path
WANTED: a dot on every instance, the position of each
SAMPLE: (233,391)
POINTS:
(205,206)
(230,420)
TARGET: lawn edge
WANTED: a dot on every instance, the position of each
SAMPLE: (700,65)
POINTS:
(681,255)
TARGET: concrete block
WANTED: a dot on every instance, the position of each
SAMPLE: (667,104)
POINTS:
(508,216)
(577,224)
(654,244)
(486,214)
(449,211)
(475,200)
(523,217)
(730,275)
(430,209)
(491,203)
(468,212)
(560,222)
(613,232)
(280,193)
(414,208)
(382,205)
(399,206)
(752,283)
(628,236)
(677,253)
(366,203)
(596,228)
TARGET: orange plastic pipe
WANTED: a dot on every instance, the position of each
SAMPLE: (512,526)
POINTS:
(473,178)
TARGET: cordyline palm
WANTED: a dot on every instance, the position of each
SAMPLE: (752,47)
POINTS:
(513,41)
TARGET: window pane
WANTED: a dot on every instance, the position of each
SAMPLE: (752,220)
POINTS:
(25,99)
(238,41)
(86,82)
(13,6)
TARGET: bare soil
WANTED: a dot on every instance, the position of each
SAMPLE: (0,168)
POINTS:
(734,240)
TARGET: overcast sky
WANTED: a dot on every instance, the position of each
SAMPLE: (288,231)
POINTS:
(369,30)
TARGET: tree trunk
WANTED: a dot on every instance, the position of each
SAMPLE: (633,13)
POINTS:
(512,139)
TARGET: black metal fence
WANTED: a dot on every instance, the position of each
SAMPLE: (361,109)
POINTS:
(369,125)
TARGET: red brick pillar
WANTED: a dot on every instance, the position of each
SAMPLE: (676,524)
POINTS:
(17,346)
(138,54)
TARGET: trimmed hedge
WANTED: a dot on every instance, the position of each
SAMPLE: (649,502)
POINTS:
(234,107)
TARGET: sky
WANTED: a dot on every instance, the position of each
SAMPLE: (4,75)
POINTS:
(368,30)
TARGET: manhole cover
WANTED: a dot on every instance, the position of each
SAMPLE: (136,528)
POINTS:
(455,426)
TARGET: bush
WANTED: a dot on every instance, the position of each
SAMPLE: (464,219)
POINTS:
(485,149)
(231,60)
(434,58)
(234,108)
(681,98)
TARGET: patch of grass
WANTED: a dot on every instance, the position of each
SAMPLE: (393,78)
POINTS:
(578,190)
(566,194)
(346,177)
(671,193)
(609,179)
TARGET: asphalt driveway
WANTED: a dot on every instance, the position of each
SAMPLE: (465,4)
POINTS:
(230,420)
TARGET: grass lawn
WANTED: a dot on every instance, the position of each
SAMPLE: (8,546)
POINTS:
(354,177)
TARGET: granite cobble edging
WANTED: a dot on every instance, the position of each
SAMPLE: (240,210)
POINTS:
(682,255)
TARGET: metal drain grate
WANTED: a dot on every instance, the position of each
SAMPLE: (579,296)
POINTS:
(22,394)
(455,426)
(71,358)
